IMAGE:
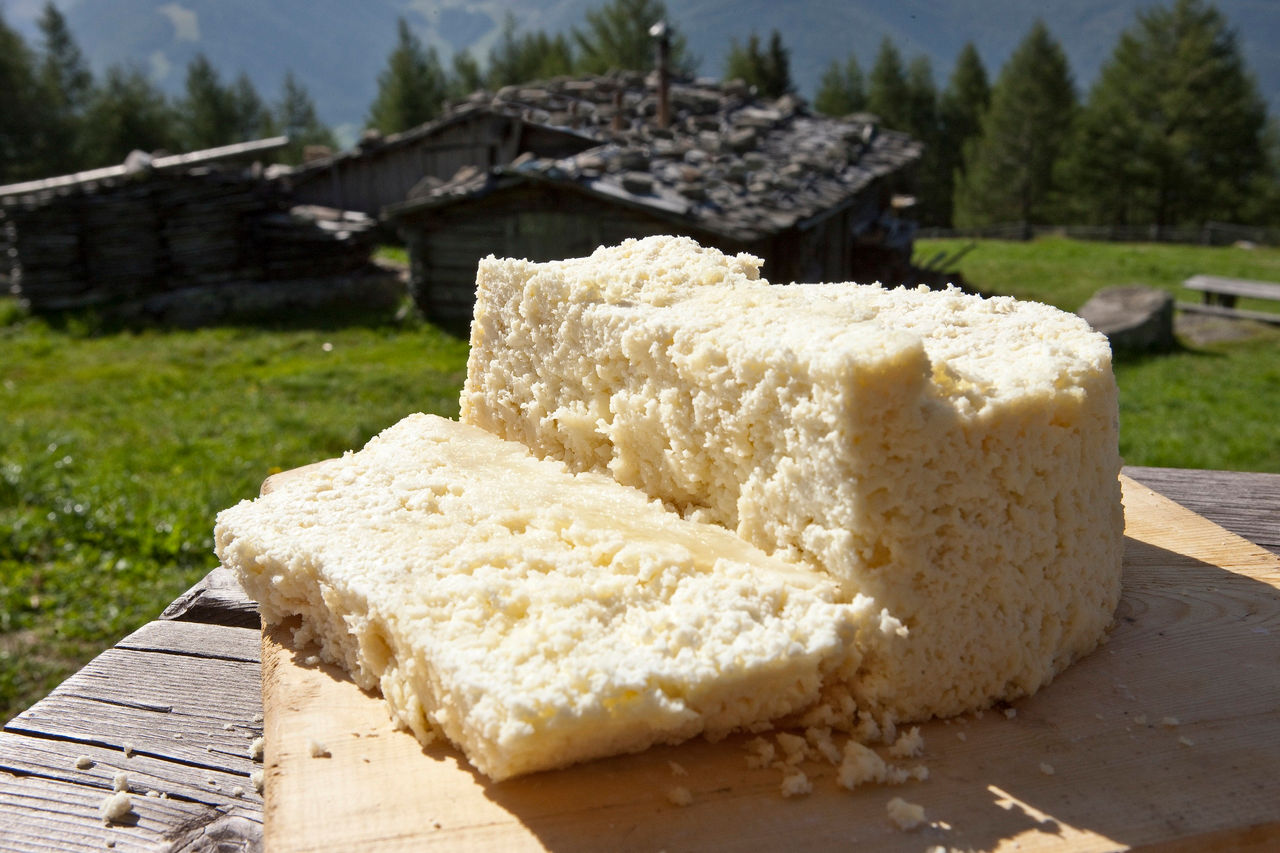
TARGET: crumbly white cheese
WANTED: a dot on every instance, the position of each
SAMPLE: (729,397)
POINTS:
(120,781)
(679,795)
(906,815)
(954,458)
(115,807)
(535,617)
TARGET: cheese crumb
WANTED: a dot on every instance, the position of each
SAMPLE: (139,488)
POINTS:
(860,765)
(128,749)
(1186,741)
(153,794)
(677,769)
(794,748)
(318,749)
(84,762)
(908,745)
(1010,713)
(255,749)
(237,791)
(257,777)
(679,795)
(819,737)
(961,736)
(906,815)
(1170,722)
(120,782)
(760,753)
(257,719)
(115,807)
(1046,768)
(795,783)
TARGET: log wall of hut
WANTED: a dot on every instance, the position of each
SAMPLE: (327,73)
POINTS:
(540,222)
(384,174)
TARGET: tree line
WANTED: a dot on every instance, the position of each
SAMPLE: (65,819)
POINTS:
(57,118)
(1173,132)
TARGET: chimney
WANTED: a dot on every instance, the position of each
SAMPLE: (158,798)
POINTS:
(660,32)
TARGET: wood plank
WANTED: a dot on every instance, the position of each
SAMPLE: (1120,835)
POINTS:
(1246,503)
(1234,286)
(55,761)
(216,599)
(1228,311)
(41,816)
(196,639)
(1194,640)
(167,706)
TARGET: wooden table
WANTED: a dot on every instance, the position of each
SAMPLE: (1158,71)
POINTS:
(177,704)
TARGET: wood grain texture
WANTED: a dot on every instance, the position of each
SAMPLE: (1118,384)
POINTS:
(187,700)
(1245,503)
(1195,641)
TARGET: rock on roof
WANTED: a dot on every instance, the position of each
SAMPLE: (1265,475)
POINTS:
(728,162)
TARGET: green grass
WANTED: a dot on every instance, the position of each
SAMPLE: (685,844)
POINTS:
(1202,406)
(118,448)
(1066,273)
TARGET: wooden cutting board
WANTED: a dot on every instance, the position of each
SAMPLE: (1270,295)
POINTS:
(1169,735)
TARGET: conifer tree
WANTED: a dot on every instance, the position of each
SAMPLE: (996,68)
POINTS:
(22,119)
(960,109)
(842,89)
(66,84)
(210,113)
(522,57)
(412,88)
(616,36)
(127,112)
(1010,173)
(1173,130)
(767,69)
(296,117)
(887,89)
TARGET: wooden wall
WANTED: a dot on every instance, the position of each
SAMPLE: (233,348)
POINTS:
(539,222)
(384,175)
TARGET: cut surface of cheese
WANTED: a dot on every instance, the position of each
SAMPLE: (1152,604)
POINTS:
(535,617)
(954,458)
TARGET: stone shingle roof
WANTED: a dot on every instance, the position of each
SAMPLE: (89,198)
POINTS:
(728,162)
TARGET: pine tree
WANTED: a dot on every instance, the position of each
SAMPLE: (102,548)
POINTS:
(1173,130)
(23,120)
(295,116)
(962,103)
(523,57)
(767,69)
(1010,174)
(887,90)
(253,117)
(412,88)
(209,109)
(842,89)
(616,36)
(920,119)
(960,109)
(127,112)
(66,84)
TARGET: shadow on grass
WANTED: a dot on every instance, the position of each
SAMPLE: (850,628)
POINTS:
(89,323)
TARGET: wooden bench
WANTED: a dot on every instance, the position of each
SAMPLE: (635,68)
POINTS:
(1220,295)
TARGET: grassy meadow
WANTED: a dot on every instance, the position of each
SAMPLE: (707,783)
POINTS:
(117,447)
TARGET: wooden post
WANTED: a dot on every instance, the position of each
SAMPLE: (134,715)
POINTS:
(660,32)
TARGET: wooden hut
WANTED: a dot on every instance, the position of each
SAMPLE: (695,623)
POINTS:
(813,196)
